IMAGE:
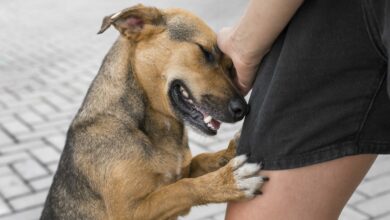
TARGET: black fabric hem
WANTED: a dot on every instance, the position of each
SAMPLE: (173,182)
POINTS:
(328,153)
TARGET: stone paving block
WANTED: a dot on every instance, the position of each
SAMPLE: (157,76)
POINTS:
(383,217)
(57,140)
(380,167)
(7,98)
(42,183)
(229,134)
(14,126)
(46,154)
(58,101)
(30,214)
(65,122)
(218,145)
(214,143)
(375,206)
(220,216)
(53,168)
(29,201)
(21,146)
(204,212)
(30,117)
(375,186)
(79,87)
(9,158)
(43,108)
(5,170)
(4,138)
(18,106)
(196,149)
(7,114)
(350,214)
(67,114)
(356,197)
(2,105)
(199,138)
(37,134)
(36,96)
(4,208)
(68,91)
(11,185)
(30,169)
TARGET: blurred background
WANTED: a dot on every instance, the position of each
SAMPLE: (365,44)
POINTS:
(49,54)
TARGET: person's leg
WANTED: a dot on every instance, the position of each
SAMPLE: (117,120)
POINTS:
(314,192)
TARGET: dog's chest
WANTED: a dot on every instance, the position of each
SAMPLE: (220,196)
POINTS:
(174,170)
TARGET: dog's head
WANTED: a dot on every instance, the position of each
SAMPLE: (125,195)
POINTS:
(179,65)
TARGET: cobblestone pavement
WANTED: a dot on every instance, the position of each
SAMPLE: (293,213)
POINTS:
(49,53)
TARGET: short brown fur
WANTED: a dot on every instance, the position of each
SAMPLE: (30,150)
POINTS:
(127,155)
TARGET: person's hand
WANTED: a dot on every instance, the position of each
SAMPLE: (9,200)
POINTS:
(245,65)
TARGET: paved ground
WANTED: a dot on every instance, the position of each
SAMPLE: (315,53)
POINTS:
(49,53)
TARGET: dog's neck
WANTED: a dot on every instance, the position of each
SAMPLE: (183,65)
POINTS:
(116,92)
(109,93)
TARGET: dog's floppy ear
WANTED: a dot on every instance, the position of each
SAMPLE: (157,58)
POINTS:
(135,21)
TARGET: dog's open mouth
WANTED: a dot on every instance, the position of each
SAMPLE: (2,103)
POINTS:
(190,111)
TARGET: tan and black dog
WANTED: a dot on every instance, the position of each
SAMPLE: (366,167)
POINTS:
(126,155)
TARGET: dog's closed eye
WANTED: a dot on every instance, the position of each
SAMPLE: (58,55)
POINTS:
(207,54)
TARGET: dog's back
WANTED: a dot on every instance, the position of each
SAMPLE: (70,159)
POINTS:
(70,195)
(96,138)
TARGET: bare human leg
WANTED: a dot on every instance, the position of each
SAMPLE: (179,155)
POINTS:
(317,192)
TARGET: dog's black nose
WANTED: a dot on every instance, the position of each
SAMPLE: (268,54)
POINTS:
(238,108)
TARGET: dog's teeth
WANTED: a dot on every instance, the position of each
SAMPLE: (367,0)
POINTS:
(207,119)
(185,94)
(211,126)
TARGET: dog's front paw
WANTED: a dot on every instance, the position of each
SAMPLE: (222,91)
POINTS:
(237,180)
(230,152)
(246,176)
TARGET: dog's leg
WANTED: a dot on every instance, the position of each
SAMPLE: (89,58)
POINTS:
(235,181)
(209,162)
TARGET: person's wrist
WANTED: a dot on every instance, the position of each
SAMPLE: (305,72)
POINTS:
(244,49)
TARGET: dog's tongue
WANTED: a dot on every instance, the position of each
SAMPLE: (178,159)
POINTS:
(216,124)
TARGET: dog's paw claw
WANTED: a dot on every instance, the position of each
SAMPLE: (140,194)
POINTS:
(248,180)
(258,192)
(247,177)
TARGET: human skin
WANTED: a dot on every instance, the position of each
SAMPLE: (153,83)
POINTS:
(251,38)
(318,191)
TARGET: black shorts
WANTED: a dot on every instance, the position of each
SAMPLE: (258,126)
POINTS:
(323,90)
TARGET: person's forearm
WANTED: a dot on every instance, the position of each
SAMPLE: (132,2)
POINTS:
(261,24)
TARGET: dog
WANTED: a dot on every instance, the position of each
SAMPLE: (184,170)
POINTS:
(126,154)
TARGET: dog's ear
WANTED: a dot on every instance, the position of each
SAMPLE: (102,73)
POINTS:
(135,21)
